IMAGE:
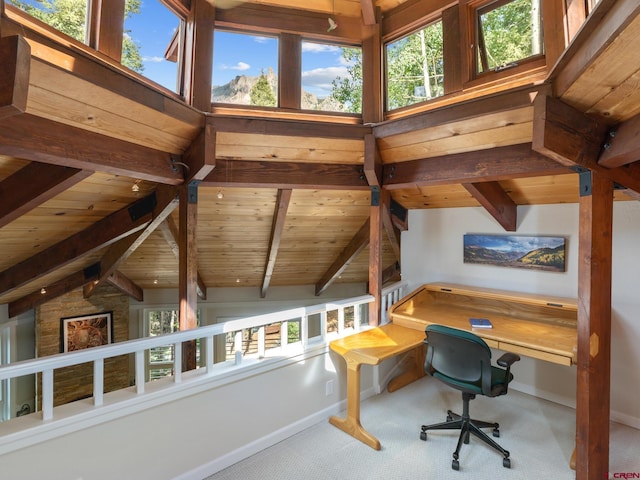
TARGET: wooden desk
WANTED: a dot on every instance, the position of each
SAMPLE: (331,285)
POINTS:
(532,325)
(371,347)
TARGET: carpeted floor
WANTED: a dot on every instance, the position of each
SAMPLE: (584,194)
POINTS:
(539,435)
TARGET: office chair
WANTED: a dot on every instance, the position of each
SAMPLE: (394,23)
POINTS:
(462,360)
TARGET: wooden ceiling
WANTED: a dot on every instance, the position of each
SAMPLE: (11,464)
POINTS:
(93,141)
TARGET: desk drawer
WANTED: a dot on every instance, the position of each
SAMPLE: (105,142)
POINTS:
(530,352)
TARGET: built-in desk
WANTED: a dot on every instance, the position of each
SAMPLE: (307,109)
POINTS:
(532,325)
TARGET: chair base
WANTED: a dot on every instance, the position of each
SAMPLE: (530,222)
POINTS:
(468,426)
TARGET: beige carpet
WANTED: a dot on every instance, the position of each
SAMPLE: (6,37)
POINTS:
(539,435)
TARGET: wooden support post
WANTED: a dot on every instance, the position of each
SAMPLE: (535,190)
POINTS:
(188,269)
(198,62)
(15,57)
(594,326)
(375,255)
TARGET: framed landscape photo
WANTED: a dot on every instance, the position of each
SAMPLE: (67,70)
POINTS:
(518,251)
(86,331)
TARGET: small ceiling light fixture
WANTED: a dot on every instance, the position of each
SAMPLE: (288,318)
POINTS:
(155,281)
(43,291)
(237,280)
(135,188)
(220,195)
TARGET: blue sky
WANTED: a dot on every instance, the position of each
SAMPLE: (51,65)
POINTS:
(234,54)
(512,243)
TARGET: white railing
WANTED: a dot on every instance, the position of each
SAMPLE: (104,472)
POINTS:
(47,365)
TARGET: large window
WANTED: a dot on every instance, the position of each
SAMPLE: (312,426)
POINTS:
(415,67)
(331,78)
(508,32)
(245,69)
(66,16)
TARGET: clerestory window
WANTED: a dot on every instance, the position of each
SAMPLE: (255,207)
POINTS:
(508,32)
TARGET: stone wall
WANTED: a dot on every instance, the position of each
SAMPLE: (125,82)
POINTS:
(74,383)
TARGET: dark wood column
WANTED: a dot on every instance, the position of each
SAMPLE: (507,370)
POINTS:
(594,326)
(188,269)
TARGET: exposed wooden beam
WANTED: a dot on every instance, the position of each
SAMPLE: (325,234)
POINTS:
(200,157)
(368,12)
(289,128)
(491,104)
(54,290)
(391,273)
(277,227)
(169,231)
(399,215)
(188,269)
(410,15)
(575,139)
(375,254)
(33,185)
(623,144)
(502,163)
(294,175)
(290,61)
(126,285)
(41,140)
(276,20)
(15,57)
(372,71)
(198,61)
(101,234)
(496,201)
(372,161)
(393,234)
(594,326)
(166,201)
(358,243)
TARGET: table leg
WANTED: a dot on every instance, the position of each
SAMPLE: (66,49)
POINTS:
(351,424)
(414,371)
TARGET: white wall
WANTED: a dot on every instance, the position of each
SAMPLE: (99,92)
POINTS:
(432,251)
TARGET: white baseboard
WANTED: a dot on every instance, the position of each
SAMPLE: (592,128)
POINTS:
(260,444)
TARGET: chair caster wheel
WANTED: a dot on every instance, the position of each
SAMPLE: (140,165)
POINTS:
(506,462)
(423,436)
(455,464)
(496,432)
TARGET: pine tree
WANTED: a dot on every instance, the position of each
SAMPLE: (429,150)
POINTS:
(261,93)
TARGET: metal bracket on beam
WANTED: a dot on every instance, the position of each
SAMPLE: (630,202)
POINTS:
(375,196)
(192,191)
(585,180)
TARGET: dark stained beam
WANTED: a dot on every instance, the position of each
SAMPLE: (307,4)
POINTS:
(294,175)
(198,58)
(372,161)
(594,326)
(41,140)
(496,201)
(290,61)
(368,12)
(169,231)
(276,20)
(54,290)
(576,139)
(166,201)
(372,71)
(500,102)
(126,285)
(101,234)
(200,158)
(393,234)
(358,243)
(33,185)
(623,144)
(391,273)
(399,215)
(188,270)
(289,128)
(15,58)
(277,227)
(409,16)
(502,163)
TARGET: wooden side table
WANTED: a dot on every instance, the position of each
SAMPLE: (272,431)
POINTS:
(371,347)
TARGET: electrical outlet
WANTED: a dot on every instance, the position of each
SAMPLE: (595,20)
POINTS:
(329,388)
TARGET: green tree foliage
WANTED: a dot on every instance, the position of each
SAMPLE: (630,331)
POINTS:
(69,17)
(348,91)
(261,93)
(510,32)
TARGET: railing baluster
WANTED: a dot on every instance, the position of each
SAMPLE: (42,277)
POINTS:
(284,334)
(140,372)
(177,362)
(323,325)
(304,330)
(209,353)
(47,394)
(340,321)
(262,350)
(98,382)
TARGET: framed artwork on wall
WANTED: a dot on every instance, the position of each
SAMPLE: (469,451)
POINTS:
(517,251)
(86,331)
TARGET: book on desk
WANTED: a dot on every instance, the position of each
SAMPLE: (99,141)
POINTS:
(480,323)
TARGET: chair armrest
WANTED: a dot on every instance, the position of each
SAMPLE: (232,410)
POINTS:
(508,359)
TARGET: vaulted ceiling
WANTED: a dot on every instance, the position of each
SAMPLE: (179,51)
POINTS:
(89,170)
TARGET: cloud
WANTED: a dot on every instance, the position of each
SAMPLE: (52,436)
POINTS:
(319,80)
(155,59)
(238,66)
(318,48)
(263,39)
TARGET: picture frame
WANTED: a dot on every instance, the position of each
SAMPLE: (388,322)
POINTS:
(543,253)
(86,331)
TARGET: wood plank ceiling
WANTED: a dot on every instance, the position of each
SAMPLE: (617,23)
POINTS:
(312,184)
